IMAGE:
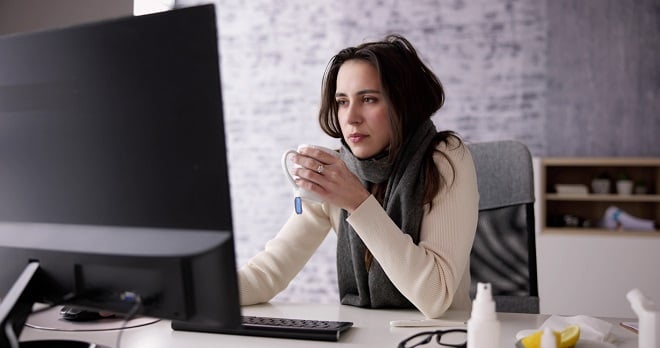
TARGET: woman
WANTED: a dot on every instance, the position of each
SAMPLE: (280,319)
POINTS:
(402,197)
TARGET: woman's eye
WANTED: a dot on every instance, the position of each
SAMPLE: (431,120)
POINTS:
(341,102)
(369,99)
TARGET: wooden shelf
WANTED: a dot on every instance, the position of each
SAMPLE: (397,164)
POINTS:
(601,197)
(588,209)
(602,161)
(600,231)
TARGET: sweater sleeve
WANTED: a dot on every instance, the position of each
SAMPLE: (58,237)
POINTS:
(271,270)
(430,274)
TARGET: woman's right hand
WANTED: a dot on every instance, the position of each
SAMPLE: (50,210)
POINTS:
(334,183)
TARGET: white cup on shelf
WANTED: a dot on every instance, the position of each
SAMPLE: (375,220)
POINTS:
(624,187)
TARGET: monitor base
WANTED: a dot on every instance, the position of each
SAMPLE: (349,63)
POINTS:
(59,344)
(51,320)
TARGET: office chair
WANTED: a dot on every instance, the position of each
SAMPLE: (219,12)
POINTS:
(504,249)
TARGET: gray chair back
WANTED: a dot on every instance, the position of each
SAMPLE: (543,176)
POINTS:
(504,250)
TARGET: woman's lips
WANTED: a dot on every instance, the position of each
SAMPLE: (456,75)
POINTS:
(356,137)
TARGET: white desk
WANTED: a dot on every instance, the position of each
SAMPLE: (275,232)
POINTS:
(371,329)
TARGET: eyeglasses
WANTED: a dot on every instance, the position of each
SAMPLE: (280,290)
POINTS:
(456,338)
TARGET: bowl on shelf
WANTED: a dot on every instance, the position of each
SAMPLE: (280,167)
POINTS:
(572,189)
(600,186)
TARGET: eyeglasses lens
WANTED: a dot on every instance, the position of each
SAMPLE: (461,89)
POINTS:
(453,339)
(418,340)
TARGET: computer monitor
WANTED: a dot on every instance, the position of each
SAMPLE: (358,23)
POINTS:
(113,175)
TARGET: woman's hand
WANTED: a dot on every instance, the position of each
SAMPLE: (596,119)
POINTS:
(328,177)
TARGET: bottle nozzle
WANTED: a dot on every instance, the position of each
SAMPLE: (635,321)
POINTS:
(483,304)
(484,292)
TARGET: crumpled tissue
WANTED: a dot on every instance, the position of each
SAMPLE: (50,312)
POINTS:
(591,328)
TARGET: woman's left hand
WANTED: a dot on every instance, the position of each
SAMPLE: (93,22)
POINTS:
(328,177)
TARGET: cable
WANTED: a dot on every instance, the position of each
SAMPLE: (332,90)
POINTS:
(137,305)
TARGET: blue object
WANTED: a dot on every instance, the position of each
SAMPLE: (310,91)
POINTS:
(297,203)
(616,215)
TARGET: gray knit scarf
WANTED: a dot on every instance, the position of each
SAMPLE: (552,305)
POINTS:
(403,198)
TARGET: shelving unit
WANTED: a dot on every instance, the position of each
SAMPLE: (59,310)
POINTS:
(589,208)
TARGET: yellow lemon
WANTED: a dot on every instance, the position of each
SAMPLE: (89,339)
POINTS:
(566,338)
(569,336)
(534,340)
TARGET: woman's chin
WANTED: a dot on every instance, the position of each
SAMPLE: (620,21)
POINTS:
(362,154)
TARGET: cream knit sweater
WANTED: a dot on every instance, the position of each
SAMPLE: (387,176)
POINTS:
(434,275)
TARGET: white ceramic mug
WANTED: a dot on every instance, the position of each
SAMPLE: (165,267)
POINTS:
(300,192)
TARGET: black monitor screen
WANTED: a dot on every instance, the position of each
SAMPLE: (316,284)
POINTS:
(115,123)
(113,172)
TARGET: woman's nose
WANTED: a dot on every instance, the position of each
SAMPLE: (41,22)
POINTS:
(353,115)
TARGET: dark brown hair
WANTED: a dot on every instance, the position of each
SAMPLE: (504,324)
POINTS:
(411,89)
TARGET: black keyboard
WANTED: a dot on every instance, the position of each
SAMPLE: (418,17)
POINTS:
(321,330)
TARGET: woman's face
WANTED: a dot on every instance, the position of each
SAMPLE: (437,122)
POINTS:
(362,109)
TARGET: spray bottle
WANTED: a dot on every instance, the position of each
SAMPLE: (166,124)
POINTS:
(649,319)
(483,328)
